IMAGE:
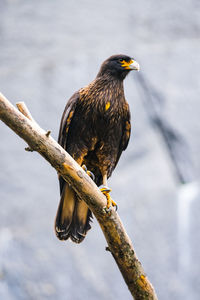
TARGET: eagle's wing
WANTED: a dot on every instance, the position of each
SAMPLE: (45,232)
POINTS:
(66,119)
(64,127)
(126,132)
(73,216)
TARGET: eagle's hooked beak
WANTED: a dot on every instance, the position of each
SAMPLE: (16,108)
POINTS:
(134,65)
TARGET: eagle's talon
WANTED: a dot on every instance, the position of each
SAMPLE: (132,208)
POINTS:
(107,209)
(91,175)
(106,190)
(88,172)
(84,168)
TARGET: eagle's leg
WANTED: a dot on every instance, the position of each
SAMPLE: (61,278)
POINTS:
(106,191)
(88,172)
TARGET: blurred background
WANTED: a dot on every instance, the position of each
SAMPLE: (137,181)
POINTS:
(50,49)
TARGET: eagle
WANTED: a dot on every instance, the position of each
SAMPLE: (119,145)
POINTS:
(95,129)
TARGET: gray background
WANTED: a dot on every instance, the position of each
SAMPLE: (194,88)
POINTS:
(48,50)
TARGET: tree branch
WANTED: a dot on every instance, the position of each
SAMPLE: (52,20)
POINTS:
(118,241)
(24,110)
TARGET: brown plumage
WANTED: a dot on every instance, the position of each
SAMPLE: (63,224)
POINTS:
(95,129)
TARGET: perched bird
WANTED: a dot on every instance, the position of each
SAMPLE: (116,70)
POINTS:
(95,129)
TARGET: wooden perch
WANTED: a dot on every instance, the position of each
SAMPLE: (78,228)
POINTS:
(118,241)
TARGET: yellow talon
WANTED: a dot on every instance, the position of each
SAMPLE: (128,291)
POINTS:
(88,172)
(91,175)
(106,191)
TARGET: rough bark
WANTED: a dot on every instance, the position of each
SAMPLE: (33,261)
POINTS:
(118,241)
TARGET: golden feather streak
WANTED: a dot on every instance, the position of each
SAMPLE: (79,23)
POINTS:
(107,105)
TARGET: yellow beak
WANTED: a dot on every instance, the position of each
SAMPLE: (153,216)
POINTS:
(134,65)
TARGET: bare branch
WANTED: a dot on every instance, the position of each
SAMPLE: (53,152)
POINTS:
(118,241)
(24,110)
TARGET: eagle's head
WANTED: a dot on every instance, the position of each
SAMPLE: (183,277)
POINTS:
(118,66)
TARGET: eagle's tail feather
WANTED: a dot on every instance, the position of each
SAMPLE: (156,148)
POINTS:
(73,216)
(81,222)
(65,213)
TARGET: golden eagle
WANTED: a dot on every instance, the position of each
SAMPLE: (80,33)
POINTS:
(95,129)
